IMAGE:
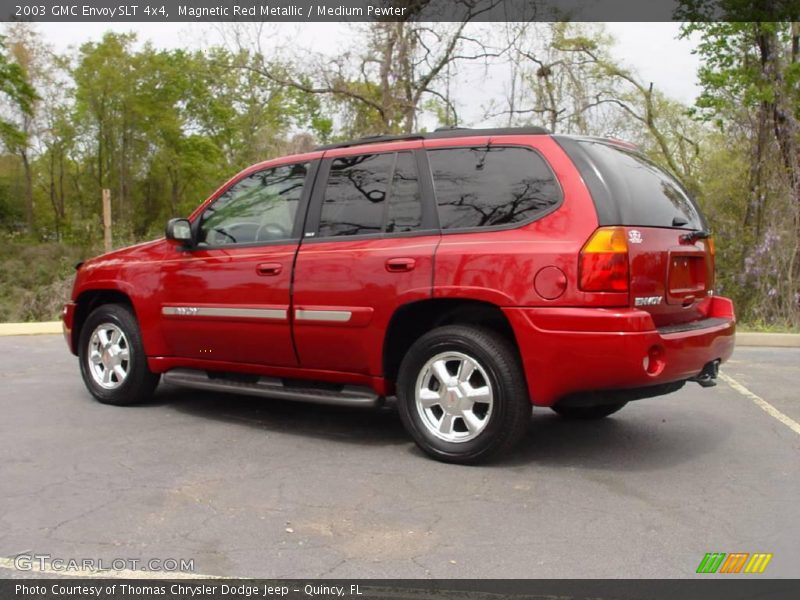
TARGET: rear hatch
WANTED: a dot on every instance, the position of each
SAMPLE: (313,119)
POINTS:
(671,257)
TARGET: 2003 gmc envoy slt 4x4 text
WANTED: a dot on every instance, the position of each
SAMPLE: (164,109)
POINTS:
(469,272)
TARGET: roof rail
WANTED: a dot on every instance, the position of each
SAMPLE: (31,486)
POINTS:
(440,133)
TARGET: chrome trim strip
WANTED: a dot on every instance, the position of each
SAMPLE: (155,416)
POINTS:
(211,311)
(338,316)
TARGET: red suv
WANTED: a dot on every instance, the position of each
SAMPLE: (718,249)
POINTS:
(470,273)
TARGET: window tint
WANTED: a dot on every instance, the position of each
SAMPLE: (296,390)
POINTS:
(484,186)
(355,195)
(259,208)
(405,203)
(371,193)
(639,192)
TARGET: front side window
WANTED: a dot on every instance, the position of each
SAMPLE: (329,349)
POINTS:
(489,185)
(371,193)
(259,208)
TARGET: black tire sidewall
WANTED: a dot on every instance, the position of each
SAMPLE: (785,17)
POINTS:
(505,389)
(140,382)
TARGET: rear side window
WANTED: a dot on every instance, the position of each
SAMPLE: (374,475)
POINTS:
(371,193)
(489,185)
(405,203)
(629,189)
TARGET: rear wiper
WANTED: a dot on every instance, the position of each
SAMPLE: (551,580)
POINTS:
(679,221)
(692,237)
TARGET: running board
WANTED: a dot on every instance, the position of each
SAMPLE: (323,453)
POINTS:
(273,387)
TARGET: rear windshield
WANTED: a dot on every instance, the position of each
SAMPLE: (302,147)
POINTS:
(628,189)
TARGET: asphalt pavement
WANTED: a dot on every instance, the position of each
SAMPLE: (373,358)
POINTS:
(259,488)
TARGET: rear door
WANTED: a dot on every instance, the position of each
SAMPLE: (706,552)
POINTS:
(671,260)
(368,248)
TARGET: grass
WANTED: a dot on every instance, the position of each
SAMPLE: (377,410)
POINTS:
(765,328)
(36,279)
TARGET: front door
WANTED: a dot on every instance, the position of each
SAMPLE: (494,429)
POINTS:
(228,298)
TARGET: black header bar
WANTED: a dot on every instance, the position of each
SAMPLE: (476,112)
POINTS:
(732,588)
(158,11)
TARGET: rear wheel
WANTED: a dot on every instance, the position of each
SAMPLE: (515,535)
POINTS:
(588,413)
(112,360)
(462,394)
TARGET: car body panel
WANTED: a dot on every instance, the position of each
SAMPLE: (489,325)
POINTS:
(215,304)
(562,355)
(343,278)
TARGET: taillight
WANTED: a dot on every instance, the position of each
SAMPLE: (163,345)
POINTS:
(711,275)
(603,264)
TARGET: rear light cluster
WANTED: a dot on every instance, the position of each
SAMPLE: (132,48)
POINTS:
(603,263)
(712,249)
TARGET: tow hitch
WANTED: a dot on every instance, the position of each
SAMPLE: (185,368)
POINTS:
(708,376)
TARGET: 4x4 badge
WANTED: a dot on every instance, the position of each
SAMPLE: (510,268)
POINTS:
(635,236)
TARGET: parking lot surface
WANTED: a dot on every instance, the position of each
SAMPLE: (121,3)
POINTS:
(257,488)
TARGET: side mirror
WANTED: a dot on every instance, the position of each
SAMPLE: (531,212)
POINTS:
(179,230)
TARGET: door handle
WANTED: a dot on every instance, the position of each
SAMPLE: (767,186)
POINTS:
(400,265)
(271,268)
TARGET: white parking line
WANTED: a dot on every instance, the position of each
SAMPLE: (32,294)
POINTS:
(35,567)
(761,403)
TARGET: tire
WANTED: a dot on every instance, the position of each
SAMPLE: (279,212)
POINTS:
(588,413)
(446,418)
(109,339)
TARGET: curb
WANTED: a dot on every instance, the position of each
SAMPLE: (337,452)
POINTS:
(743,338)
(773,340)
(45,328)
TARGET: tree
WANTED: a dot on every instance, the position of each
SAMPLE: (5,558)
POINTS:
(382,84)
(19,98)
(565,79)
(750,78)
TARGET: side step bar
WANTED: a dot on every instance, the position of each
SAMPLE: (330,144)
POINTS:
(273,387)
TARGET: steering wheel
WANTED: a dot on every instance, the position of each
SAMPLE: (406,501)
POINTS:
(272,231)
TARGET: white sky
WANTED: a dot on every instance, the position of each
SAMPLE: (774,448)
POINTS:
(652,49)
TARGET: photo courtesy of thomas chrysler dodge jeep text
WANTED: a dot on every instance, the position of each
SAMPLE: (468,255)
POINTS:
(470,273)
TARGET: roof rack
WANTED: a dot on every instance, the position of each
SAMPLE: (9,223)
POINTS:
(441,133)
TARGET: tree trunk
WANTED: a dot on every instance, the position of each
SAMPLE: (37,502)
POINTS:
(753,216)
(53,201)
(26,165)
(784,120)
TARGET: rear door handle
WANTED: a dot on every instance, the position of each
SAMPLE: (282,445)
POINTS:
(400,265)
(271,268)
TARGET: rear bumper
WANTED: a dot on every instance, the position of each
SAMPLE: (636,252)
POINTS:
(568,350)
(67,322)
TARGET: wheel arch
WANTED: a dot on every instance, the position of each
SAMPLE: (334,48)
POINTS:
(412,320)
(90,299)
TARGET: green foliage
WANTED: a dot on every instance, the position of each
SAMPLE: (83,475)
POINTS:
(17,92)
(751,184)
(35,279)
(732,75)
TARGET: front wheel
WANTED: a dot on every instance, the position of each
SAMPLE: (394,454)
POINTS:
(112,359)
(462,394)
